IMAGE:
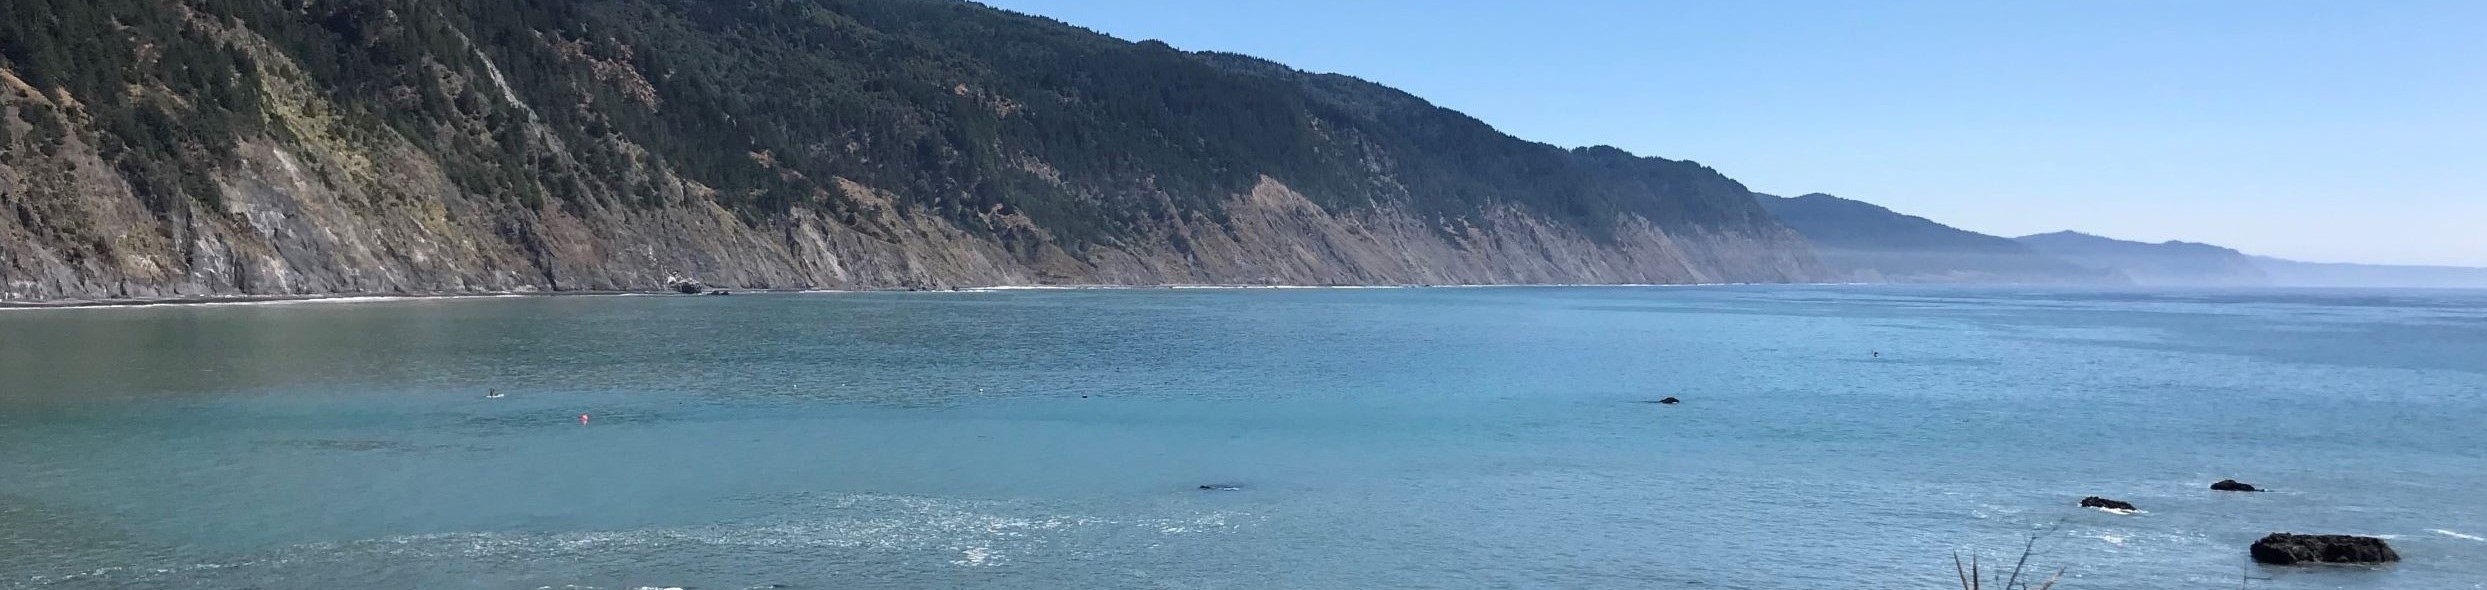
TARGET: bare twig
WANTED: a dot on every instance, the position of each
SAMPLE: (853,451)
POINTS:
(1967,582)
(2050,585)
(1972,576)
(2015,581)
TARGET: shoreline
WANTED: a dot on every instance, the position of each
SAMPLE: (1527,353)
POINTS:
(238,300)
(209,300)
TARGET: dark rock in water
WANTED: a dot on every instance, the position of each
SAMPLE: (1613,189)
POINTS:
(2230,485)
(688,287)
(721,292)
(1670,401)
(2292,549)
(2098,502)
(1221,487)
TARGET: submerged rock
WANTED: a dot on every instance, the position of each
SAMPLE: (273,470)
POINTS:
(2230,485)
(1220,487)
(2098,502)
(1670,401)
(2294,549)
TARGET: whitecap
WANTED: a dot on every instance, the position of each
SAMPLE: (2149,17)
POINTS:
(2458,535)
(974,556)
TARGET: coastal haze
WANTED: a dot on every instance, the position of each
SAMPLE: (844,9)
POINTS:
(1371,438)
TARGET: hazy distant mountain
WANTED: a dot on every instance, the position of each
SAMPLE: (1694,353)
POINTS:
(2318,274)
(2165,263)
(2194,264)
(1870,243)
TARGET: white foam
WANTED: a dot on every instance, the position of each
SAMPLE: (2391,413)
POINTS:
(980,533)
(971,533)
(2111,539)
(2458,535)
(974,556)
(1024,288)
(2118,511)
(1217,287)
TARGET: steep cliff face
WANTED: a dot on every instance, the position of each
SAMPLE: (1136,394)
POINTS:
(155,148)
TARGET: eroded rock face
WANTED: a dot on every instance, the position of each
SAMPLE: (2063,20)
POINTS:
(2294,549)
(2098,502)
(298,236)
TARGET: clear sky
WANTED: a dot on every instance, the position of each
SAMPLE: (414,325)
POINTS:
(2348,131)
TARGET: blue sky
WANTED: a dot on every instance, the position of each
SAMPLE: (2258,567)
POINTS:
(2327,131)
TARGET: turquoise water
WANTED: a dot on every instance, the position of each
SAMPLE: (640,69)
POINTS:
(1438,438)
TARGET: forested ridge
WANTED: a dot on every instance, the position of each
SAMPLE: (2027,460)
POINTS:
(1034,134)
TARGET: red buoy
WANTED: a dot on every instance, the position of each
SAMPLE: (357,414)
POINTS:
(582,418)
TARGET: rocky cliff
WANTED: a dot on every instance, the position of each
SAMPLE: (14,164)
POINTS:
(156,148)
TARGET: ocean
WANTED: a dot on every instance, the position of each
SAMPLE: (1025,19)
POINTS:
(1828,437)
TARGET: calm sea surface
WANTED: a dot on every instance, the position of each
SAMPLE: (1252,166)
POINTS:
(1435,438)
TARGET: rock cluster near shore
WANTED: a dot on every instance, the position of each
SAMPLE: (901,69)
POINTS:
(2289,548)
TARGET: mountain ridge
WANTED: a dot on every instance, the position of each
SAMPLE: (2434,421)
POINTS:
(2170,263)
(216,148)
(1872,243)
(1863,242)
(2187,263)
(252,147)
